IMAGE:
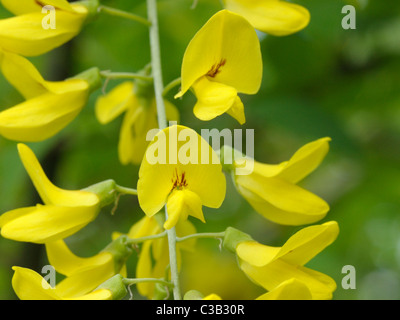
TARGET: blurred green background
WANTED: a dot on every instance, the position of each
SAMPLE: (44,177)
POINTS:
(322,81)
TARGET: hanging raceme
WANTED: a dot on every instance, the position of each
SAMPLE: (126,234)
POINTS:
(179,171)
(222,60)
(49,106)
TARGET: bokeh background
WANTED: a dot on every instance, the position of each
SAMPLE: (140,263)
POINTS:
(322,81)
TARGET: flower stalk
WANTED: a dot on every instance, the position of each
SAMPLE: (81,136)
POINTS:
(124,75)
(123,14)
(162,123)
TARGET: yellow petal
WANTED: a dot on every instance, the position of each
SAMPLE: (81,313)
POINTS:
(128,146)
(305,160)
(171,111)
(135,126)
(22,75)
(85,280)
(228,50)
(273,274)
(237,111)
(291,289)
(308,242)
(67,263)
(185,228)
(25,34)
(29,285)
(175,208)
(166,162)
(281,201)
(42,224)
(256,253)
(278,18)
(144,269)
(43,116)
(49,193)
(144,227)
(24,6)
(213,98)
(101,294)
(180,204)
(118,100)
(297,250)
(212,296)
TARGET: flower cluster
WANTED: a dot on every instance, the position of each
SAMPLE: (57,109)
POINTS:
(179,174)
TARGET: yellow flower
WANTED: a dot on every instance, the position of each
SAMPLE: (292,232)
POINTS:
(49,106)
(291,289)
(272,190)
(270,266)
(29,285)
(24,34)
(64,212)
(184,183)
(278,18)
(222,60)
(140,117)
(154,256)
(83,275)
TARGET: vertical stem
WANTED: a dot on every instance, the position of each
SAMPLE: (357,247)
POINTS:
(156,62)
(162,123)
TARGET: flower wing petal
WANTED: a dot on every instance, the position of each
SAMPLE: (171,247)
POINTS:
(278,18)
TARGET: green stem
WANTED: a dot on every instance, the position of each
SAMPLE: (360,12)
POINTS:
(215,235)
(131,281)
(130,241)
(162,123)
(124,75)
(171,85)
(124,14)
(125,190)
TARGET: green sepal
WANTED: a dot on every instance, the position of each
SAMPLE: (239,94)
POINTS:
(92,76)
(233,237)
(116,286)
(193,295)
(228,156)
(105,190)
(120,251)
(92,6)
(161,292)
